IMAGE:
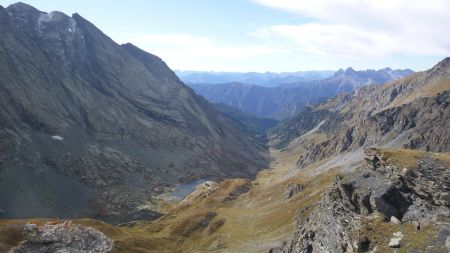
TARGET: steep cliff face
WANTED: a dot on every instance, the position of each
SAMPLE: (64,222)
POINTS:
(411,112)
(90,127)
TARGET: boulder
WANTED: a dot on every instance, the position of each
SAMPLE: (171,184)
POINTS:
(63,237)
(395,220)
(395,240)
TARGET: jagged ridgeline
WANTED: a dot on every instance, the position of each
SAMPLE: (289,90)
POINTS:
(89,127)
(412,112)
(288,98)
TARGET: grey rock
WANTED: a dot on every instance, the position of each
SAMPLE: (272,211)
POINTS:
(395,240)
(63,238)
(447,242)
(374,250)
(352,198)
(395,220)
(292,189)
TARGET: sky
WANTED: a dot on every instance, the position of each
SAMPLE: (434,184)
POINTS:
(273,35)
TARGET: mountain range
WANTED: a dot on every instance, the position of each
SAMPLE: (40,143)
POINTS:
(104,149)
(287,99)
(267,79)
(365,171)
(93,128)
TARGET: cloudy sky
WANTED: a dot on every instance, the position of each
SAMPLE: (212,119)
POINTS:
(274,35)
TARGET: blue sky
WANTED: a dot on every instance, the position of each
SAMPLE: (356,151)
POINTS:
(274,35)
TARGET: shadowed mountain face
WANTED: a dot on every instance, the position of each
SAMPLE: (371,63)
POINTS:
(90,127)
(288,99)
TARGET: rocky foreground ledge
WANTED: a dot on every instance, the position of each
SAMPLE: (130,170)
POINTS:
(63,238)
(400,198)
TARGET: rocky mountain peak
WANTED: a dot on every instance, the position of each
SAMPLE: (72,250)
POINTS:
(22,7)
(339,72)
(442,66)
(50,27)
(23,15)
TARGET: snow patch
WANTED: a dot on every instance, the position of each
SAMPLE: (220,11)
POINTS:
(57,137)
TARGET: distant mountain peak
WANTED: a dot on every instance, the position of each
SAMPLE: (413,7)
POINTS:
(349,70)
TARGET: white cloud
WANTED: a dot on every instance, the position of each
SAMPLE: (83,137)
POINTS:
(363,28)
(171,39)
(330,34)
(187,51)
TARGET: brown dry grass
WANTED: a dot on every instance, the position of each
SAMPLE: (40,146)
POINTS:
(251,216)
(426,91)
(409,157)
(380,232)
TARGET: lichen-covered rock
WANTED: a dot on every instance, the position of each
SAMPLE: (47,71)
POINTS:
(62,238)
(381,188)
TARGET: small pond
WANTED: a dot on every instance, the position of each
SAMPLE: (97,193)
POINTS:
(182,190)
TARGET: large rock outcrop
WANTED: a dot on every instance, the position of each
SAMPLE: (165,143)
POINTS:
(63,238)
(417,194)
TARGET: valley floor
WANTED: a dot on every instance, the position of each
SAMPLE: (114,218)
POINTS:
(235,215)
